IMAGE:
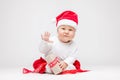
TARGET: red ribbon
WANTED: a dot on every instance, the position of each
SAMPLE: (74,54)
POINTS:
(54,62)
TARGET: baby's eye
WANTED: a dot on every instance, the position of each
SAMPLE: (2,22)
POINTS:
(63,28)
(70,29)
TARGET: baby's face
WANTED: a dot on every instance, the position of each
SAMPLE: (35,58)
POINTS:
(66,33)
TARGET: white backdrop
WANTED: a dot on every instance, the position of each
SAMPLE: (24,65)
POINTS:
(23,21)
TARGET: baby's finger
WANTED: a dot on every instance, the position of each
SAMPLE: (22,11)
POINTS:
(47,33)
(61,67)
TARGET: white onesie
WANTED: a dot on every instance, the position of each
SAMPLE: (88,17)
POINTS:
(68,52)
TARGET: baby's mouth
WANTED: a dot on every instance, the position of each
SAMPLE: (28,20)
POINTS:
(66,36)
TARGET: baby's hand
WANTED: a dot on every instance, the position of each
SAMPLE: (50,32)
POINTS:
(63,65)
(46,37)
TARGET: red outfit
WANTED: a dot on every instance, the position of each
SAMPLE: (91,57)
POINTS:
(40,64)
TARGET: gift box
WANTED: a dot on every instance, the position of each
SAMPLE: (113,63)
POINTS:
(54,62)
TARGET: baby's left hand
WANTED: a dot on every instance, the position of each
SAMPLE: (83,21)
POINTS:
(63,65)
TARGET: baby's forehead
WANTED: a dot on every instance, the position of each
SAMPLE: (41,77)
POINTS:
(66,26)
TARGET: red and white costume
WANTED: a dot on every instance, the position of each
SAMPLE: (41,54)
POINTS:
(67,52)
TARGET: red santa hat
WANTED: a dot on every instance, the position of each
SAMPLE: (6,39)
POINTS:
(67,18)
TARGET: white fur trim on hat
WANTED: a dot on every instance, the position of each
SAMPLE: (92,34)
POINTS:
(67,22)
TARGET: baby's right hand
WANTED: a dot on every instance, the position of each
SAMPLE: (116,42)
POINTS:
(46,37)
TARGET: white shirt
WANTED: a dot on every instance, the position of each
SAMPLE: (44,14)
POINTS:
(66,51)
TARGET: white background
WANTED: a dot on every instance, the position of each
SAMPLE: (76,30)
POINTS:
(23,21)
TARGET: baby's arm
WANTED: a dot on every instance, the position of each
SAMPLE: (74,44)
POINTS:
(46,43)
(72,57)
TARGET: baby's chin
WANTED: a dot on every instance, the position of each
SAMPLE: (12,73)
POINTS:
(65,40)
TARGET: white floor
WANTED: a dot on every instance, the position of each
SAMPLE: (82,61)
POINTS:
(96,73)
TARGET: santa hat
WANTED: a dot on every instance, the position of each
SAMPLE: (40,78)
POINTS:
(67,18)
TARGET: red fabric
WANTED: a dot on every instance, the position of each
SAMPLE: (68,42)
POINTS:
(39,66)
(69,15)
(25,71)
(77,64)
(38,62)
(78,69)
(54,62)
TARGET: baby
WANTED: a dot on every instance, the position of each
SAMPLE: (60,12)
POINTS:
(62,46)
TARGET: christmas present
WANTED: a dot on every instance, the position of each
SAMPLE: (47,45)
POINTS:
(54,62)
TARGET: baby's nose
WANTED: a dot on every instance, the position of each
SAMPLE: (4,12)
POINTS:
(66,31)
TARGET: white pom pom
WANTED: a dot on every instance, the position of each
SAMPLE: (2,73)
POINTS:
(53,20)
